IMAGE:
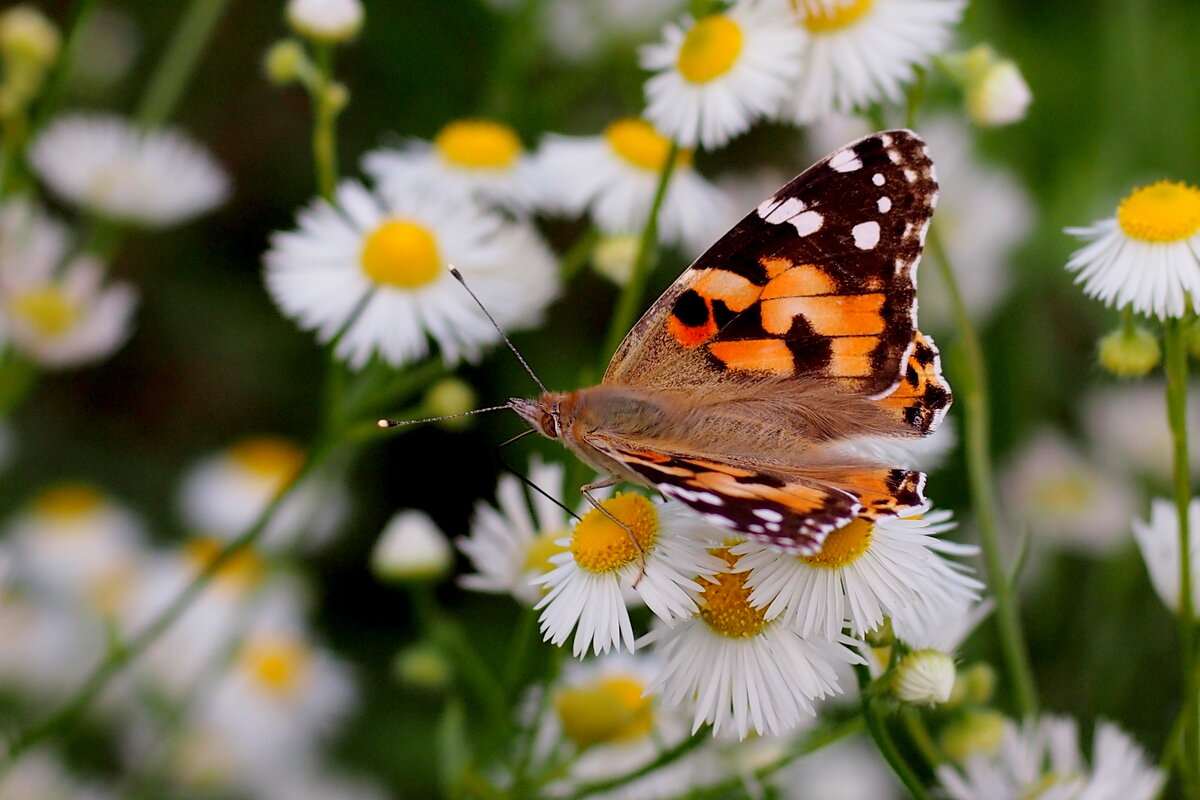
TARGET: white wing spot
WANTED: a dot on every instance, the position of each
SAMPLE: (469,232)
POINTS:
(845,161)
(769,514)
(885,139)
(717,519)
(885,204)
(866,235)
(773,527)
(910,175)
(710,498)
(808,222)
(878,179)
(893,155)
(784,211)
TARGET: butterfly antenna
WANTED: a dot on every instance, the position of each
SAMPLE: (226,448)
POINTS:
(525,479)
(396,423)
(458,275)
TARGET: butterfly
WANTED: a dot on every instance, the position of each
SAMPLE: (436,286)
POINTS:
(742,391)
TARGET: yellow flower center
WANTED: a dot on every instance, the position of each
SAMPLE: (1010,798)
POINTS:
(843,545)
(635,141)
(266,457)
(821,19)
(47,309)
(600,545)
(277,663)
(478,144)
(611,710)
(402,253)
(67,502)
(1161,212)
(710,49)
(243,570)
(725,603)
(537,556)
(1071,493)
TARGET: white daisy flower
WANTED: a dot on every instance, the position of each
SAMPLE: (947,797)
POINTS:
(42,645)
(1042,759)
(740,670)
(718,74)
(325,20)
(59,315)
(579,32)
(509,546)
(379,264)
(411,547)
(1063,496)
(1127,423)
(76,545)
(109,166)
(1147,257)
(615,176)
(866,571)
(849,769)
(478,158)
(925,626)
(1158,539)
(223,494)
(586,587)
(863,51)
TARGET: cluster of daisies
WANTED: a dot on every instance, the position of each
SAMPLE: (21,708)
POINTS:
(239,695)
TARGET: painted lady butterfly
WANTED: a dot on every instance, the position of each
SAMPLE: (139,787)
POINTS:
(741,390)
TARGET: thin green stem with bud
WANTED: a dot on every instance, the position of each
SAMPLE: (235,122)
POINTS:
(882,737)
(1176,367)
(326,108)
(179,60)
(971,387)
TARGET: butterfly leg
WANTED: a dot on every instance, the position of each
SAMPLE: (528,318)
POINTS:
(613,480)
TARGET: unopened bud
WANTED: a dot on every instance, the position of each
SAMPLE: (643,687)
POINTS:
(451,396)
(331,21)
(615,256)
(422,666)
(1130,352)
(995,90)
(924,678)
(27,35)
(284,61)
(973,732)
(411,548)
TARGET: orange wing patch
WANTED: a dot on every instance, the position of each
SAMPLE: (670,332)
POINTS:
(761,355)
(827,315)
(921,399)
(802,280)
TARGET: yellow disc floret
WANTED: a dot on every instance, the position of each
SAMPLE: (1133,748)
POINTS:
(267,457)
(818,18)
(1166,211)
(478,144)
(403,253)
(541,549)
(710,48)
(67,502)
(277,663)
(725,603)
(609,711)
(635,141)
(599,544)
(843,545)
(48,310)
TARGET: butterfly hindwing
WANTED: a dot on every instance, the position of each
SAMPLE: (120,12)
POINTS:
(819,280)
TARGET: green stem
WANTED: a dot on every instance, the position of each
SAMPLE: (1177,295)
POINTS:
(325,112)
(57,80)
(668,756)
(914,723)
(972,388)
(578,255)
(631,296)
(178,62)
(121,656)
(1175,363)
(883,738)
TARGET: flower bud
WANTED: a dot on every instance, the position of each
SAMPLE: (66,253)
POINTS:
(422,666)
(332,21)
(26,35)
(411,548)
(337,96)
(973,732)
(996,92)
(614,257)
(451,396)
(284,61)
(1130,352)
(924,678)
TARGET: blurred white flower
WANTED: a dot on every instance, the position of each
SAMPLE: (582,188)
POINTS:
(108,166)
(1147,257)
(865,571)
(1041,758)
(306,783)
(1062,496)
(715,76)
(78,546)
(578,32)
(411,547)
(479,158)
(1127,424)
(614,176)
(377,265)
(224,493)
(325,20)
(863,51)
(39,775)
(847,770)
(43,646)
(1158,539)
(510,547)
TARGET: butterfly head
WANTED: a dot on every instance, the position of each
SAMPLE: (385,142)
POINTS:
(543,414)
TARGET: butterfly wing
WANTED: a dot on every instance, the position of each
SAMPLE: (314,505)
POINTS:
(792,510)
(818,281)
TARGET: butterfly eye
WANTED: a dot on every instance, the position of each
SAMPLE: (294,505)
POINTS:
(550,424)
